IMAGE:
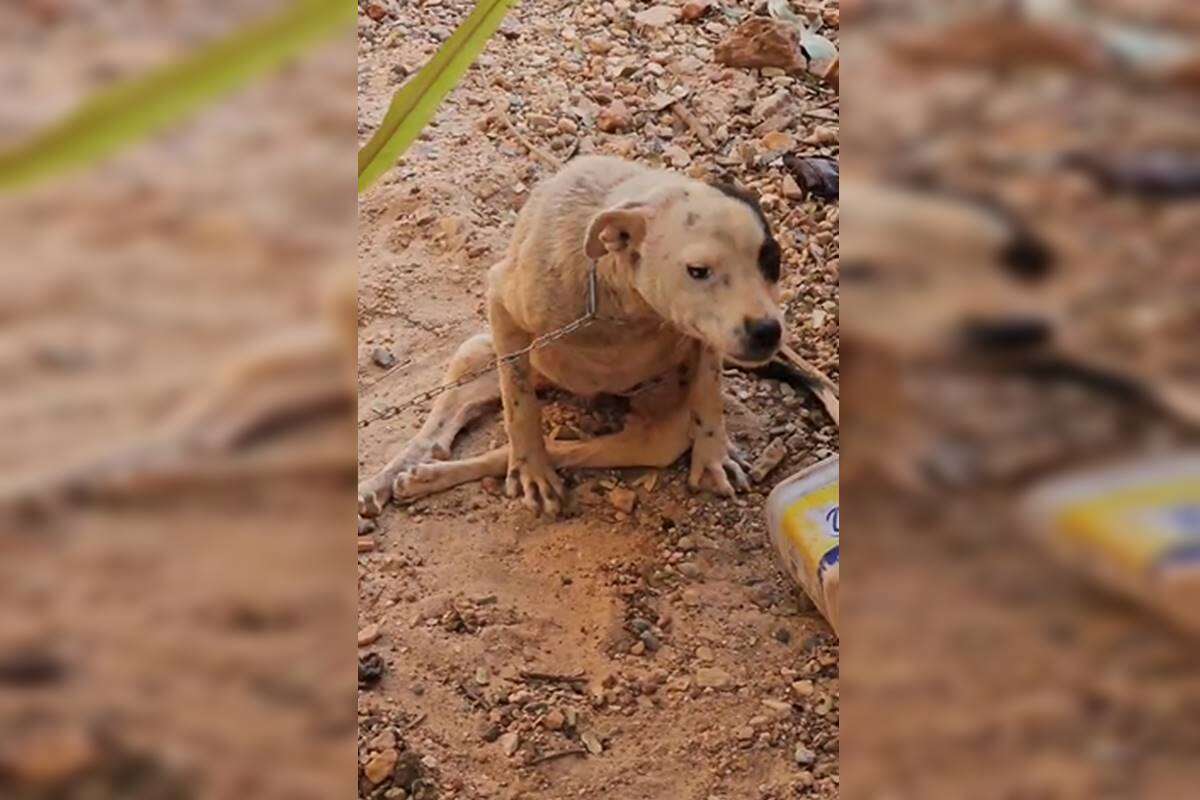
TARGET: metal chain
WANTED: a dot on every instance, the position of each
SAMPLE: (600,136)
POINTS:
(589,316)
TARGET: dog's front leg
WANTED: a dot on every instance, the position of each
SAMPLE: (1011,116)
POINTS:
(530,470)
(712,452)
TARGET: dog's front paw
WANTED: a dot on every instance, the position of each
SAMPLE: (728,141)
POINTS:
(722,464)
(369,506)
(535,479)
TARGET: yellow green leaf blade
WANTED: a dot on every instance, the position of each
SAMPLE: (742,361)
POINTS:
(136,109)
(416,102)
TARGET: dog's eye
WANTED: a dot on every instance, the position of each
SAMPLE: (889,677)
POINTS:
(699,273)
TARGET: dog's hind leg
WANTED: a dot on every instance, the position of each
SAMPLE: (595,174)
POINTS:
(452,411)
(642,443)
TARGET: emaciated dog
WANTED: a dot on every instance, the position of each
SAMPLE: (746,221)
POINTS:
(687,277)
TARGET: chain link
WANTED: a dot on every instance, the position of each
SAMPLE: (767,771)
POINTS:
(589,316)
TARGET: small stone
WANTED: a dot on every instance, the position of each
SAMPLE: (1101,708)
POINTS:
(554,720)
(656,16)
(370,670)
(744,733)
(568,126)
(824,134)
(383,358)
(598,45)
(380,766)
(384,741)
(759,43)
(782,635)
(369,635)
(509,743)
(778,706)
(773,105)
(776,141)
(377,11)
(688,570)
(804,757)
(803,688)
(615,118)
(592,742)
(704,654)
(490,732)
(639,647)
(541,121)
(623,499)
(695,10)
(791,189)
(651,642)
(365,526)
(768,460)
(677,156)
(713,678)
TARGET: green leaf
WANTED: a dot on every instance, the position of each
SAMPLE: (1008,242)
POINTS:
(134,110)
(417,100)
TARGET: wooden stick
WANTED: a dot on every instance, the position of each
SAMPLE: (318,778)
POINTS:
(696,127)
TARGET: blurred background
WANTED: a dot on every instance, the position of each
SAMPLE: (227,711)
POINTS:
(176,465)
(1019,273)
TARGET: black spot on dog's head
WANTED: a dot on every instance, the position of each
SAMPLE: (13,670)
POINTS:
(769,254)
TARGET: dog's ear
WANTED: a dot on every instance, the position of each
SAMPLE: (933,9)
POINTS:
(620,228)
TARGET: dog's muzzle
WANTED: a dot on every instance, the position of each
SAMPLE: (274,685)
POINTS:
(761,338)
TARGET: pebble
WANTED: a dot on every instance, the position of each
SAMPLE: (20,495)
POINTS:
(383,358)
(623,499)
(713,678)
(380,766)
(804,757)
(592,742)
(369,635)
(695,10)
(615,118)
(677,156)
(656,16)
(509,743)
(768,460)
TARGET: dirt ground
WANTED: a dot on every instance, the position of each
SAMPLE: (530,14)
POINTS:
(659,654)
(975,665)
(184,645)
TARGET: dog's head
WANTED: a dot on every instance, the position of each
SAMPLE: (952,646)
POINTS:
(703,257)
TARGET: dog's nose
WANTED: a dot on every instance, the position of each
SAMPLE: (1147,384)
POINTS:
(763,334)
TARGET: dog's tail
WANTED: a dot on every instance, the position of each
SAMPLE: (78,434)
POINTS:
(793,370)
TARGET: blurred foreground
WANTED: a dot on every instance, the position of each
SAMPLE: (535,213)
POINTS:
(1020,301)
(176,477)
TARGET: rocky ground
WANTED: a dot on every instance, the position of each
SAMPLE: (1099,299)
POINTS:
(981,668)
(648,645)
(196,643)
